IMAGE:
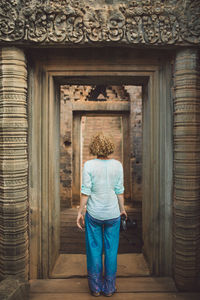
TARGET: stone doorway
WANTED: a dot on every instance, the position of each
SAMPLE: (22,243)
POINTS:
(86,125)
(47,74)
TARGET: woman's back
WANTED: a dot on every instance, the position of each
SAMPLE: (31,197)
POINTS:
(102,181)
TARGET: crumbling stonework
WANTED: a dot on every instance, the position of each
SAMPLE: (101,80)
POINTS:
(65,153)
(136,141)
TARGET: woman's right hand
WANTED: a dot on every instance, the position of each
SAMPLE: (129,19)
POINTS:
(79,220)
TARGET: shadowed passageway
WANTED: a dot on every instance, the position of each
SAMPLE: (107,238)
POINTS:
(72,239)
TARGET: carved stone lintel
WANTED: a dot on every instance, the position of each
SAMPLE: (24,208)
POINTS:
(13,164)
(151,22)
(187,171)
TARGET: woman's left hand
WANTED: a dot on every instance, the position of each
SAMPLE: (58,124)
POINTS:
(123,212)
(79,220)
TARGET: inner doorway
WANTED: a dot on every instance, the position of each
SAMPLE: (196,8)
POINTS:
(115,125)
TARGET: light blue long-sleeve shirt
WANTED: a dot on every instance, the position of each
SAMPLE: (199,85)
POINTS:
(102,180)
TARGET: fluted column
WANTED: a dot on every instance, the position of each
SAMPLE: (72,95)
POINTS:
(187,170)
(13,164)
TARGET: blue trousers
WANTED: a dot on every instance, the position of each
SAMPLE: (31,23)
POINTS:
(97,233)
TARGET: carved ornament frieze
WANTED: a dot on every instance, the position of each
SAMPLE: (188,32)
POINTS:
(151,22)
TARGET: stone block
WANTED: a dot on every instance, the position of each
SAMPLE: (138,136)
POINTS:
(14,288)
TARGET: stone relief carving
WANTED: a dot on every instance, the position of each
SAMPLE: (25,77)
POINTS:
(186,167)
(153,22)
(14,162)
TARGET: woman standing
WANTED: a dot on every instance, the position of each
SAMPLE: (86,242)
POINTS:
(102,191)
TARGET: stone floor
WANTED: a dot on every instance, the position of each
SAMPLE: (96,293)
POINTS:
(68,279)
(134,288)
(70,265)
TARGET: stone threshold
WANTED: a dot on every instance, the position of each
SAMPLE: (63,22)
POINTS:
(72,265)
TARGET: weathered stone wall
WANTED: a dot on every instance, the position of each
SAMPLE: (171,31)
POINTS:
(65,153)
(187,170)
(111,126)
(136,141)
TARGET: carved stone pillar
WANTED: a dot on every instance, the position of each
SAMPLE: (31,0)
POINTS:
(13,164)
(187,170)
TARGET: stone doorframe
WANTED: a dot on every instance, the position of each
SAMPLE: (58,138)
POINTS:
(45,76)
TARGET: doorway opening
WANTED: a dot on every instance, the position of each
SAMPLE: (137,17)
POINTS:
(85,111)
(110,125)
(74,67)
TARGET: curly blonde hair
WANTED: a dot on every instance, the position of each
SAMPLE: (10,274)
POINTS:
(101,146)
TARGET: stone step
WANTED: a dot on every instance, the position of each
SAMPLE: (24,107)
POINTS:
(117,296)
(137,288)
(124,285)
